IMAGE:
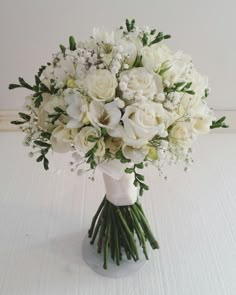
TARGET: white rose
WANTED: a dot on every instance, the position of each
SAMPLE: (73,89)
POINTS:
(104,115)
(139,82)
(181,135)
(179,68)
(60,139)
(154,56)
(143,122)
(136,155)
(83,143)
(101,85)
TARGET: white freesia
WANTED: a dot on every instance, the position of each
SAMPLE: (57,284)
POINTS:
(102,36)
(77,109)
(139,82)
(104,115)
(60,139)
(143,122)
(101,85)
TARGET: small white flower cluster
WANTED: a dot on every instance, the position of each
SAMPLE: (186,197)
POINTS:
(119,95)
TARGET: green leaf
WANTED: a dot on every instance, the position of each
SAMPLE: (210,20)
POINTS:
(24,84)
(138,61)
(72,43)
(37,80)
(17,122)
(92,138)
(41,69)
(140,165)
(38,101)
(145,39)
(129,170)
(40,158)
(46,135)
(42,143)
(63,49)
(13,86)
(139,177)
(45,163)
(24,116)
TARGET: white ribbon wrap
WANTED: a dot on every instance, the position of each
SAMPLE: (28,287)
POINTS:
(120,190)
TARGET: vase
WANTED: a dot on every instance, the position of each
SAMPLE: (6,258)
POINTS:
(119,233)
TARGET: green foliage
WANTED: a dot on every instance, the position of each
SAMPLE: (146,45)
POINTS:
(57,115)
(160,36)
(130,25)
(26,118)
(138,178)
(220,123)
(119,155)
(72,43)
(183,87)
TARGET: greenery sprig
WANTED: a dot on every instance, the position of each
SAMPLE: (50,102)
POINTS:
(26,118)
(183,87)
(220,123)
(138,178)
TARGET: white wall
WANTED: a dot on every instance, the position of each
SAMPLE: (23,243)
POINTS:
(31,30)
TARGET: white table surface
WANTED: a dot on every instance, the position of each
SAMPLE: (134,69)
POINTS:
(44,216)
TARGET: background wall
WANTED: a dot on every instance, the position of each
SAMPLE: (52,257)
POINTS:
(31,30)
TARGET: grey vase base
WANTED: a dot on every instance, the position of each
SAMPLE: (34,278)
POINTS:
(95,262)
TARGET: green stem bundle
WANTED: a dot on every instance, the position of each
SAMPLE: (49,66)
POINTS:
(117,230)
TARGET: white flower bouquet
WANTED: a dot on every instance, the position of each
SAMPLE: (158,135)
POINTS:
(118,101)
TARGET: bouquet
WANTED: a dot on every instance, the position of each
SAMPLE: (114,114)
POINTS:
(118,101)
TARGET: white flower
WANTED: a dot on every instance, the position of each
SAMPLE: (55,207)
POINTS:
(202,119)
(60,139)
(83,143)
(199,83)
(101,85)
(140,82)
(77,109)
(101,36)
(154,56)
(181,135)
(143,122)
(53,102)
(179,68)
(136,155)
(104,115)
(64,68)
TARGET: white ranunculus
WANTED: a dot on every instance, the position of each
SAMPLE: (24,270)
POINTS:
(143,122)
(60,139)
(136,155)
(77,109)
(101,85)
(104,115)
(181,135)
(154,56)
(140,82)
